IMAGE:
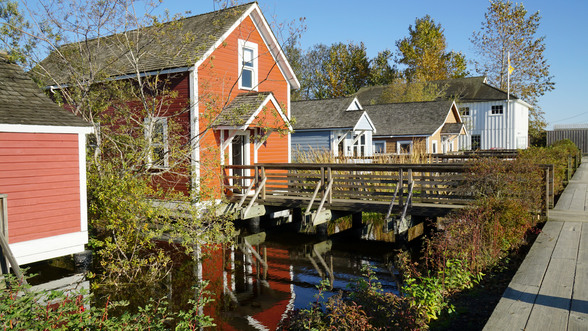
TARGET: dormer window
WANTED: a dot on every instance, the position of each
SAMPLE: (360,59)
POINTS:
(247,65)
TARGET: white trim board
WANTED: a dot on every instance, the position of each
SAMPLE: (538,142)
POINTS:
(48,248)
(18,128)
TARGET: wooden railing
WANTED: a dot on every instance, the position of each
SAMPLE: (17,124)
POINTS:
(355,184)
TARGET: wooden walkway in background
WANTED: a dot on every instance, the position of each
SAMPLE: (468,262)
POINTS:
(550,289)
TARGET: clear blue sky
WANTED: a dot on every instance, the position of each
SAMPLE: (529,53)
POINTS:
(379,23)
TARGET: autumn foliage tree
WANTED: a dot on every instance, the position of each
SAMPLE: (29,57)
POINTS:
(508,28)
(425,56)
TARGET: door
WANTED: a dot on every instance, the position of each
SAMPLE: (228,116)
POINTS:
(238,153)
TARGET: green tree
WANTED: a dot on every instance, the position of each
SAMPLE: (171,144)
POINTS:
(507,27)
(425,56)
(345,69)
(381,72)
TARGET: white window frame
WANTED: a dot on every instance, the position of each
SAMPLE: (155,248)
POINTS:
(404,142)
(435,147)
(495,112)
(462,111)
(150,124)
(379,142)
(244,44)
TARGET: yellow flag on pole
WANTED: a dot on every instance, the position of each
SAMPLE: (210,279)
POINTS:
(510,69)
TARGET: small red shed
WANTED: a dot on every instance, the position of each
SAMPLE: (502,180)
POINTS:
(42,171)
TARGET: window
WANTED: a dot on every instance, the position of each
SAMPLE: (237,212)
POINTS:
(403,147)
(157,142)
(360,146)
(247,65)
(465,111)
(497,110)
(434,151)
(379,147)
(476,142)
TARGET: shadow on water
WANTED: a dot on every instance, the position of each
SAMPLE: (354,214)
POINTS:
(262,276)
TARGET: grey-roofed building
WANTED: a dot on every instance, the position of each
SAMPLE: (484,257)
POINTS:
(422,127)
(338,126)
(43,177)
(494,120)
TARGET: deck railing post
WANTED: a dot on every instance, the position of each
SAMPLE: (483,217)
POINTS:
(262,170)
(547,193)
(329,179)
(569,169)
(323,186)
(401,183)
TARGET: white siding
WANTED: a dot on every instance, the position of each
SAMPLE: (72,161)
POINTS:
(505,131)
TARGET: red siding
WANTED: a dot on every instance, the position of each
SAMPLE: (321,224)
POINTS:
(40,174)
(218,85)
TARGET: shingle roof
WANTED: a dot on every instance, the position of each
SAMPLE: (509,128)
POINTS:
(323,114)
(410,118)
(171,45)
(241,109)
(22,102)
(462,89)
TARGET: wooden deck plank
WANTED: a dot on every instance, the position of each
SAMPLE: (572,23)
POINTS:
(568,242)
(565,199)
(533,268)
(514,308)
(579,199)
(578,319)
(551,308)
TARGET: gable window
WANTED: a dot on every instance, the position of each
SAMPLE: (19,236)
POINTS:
(247,65)
(497,110)
(157,141)
(403,147)
(465,111)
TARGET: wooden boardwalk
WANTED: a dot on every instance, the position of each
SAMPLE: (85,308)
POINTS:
(550,289)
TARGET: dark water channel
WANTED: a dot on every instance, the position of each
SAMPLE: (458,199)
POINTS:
(262,276)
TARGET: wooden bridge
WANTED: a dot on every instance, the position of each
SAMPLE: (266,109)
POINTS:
(328,191)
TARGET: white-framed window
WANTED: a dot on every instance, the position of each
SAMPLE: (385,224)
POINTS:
(360,145)
(435,148)
(464,111)
(497,110)
(404,147)
(156,135)
(248,67)
(379,147)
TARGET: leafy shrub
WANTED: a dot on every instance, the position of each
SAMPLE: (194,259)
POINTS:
(364,307)
(557,154)
(23,309)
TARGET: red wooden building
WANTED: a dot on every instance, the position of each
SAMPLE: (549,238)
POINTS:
(233,103)
(42,171)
